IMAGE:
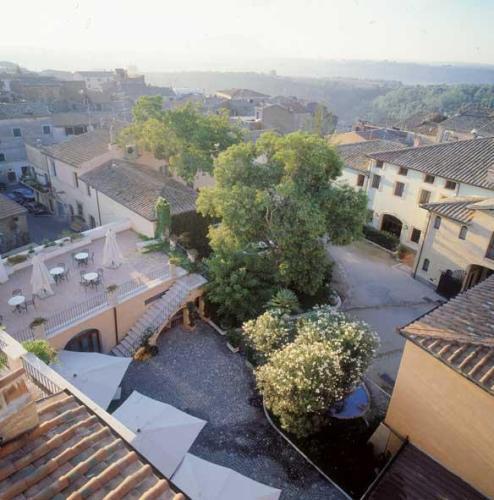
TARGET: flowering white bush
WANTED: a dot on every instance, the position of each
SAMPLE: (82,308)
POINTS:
(327,359)
(269,332)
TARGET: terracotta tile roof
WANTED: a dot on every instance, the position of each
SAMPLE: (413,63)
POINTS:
(73,454)
(138,187)
(461,161)
(73,118)
(461,334)
(355,155)
(9,208)
(456,208)
(80,148)
(481,120)
(423,122)
(23,110)
(241,94)
(413,475)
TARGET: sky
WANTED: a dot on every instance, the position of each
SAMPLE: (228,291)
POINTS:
(234,34)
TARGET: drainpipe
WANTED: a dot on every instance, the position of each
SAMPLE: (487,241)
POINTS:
(97,203)
(422,246)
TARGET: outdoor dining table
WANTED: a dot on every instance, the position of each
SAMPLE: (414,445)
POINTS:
(81,257)
(91,277)
(16,301)
(57,273)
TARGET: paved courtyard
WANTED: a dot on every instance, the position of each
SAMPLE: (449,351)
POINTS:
(381,292)
(195,372)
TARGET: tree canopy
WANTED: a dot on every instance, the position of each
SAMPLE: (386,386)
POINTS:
(277,198)
(188,140)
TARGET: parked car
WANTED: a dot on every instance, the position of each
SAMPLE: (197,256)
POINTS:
(25,192)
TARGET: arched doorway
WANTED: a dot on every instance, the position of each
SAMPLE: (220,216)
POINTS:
(391,224)
(86,341)
(475,274)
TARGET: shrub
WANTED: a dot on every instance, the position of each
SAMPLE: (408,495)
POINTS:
(268,333)
(37,322)
(234,337)
(325,362)
(42,349)
(382,238)
(16,259)
(284,300)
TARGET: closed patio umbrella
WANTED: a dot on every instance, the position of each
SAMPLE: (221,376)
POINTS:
(163,434)
(203,480)
(41,279)
(4,276)
(97,375)
(112,256)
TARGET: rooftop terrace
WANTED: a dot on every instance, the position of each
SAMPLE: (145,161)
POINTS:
(71,301)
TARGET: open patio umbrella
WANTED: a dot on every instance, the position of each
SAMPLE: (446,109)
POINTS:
(163,434)
(112,256)
(41,279)
(4,276)
(98,376)
(203,480)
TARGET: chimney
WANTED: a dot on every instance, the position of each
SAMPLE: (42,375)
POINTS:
(18,413)
(490,174)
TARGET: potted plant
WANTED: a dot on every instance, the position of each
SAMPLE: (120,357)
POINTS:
(173,262)
(146,350)
(42,349)
(111,290)
(234,338)
(16,259)
(37,326)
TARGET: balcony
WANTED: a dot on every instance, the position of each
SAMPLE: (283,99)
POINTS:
(72,302)
(33,183)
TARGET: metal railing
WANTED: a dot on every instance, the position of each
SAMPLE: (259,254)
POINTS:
(45,383)
(93,305)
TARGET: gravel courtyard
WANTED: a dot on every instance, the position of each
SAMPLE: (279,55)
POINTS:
(195,372)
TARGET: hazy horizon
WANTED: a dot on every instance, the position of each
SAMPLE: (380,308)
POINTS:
(255,35)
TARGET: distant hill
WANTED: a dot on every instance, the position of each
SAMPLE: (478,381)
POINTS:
(345,97)
(350,98)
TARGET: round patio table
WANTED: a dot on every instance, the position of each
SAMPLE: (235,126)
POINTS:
(81,256)
(57,272)
(16,300)
(91,277)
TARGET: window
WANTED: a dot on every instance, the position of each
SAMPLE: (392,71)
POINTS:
(403,171)
(360,180)
(450,185)
(69,131)
(429,179)
(437,222)
(17,132)
(80,129)
(46,129)
(80,209)
(376,181)
(379,163)
(415,236)
(425,265)
(2,156)
(490,249)
(76,180)
(425,196)
(399,188)
(88,188)
(71,210)
(92,222)
(53,167)
(463,233)
(86,341)
(25,171)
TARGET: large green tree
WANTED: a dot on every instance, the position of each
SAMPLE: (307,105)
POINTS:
(188,140)
(278,196)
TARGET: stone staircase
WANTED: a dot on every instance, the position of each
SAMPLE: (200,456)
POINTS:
(159,313)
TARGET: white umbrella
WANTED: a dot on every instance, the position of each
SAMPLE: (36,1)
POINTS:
(4,276)
(112,256)
(163,434)
(98,376)
(41,279)
(203,480)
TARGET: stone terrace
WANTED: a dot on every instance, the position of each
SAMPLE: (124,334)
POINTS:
(69,296)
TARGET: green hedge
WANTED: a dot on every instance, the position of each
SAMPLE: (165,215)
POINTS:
(382,238)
